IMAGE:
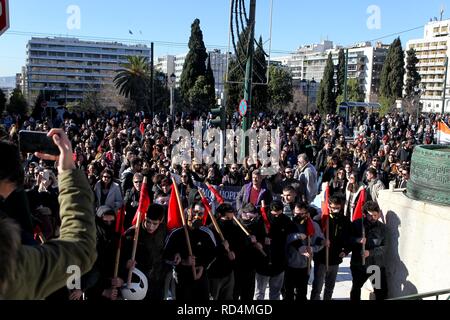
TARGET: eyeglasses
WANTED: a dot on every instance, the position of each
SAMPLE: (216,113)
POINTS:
(138,181)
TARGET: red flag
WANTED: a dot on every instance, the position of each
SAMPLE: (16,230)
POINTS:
(357,213)
(207,210)
(144,203)
(142,128)
(265,218)
(174,219)
(309,227)
(325,209)
(119,220)
(216,194)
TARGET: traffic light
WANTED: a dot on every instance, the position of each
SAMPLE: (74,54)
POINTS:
(219,117)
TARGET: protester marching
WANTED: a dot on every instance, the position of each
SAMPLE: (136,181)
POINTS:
(198,230)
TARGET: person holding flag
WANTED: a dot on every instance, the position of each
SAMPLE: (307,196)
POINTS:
(230,242)
(301,245)
(149,252)
(190,286)
(270,271)
(245,266)
(337,232)
(369,244)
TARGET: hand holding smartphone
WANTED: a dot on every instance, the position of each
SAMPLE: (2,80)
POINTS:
(37,141)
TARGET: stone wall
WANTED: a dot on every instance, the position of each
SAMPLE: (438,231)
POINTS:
(418,253)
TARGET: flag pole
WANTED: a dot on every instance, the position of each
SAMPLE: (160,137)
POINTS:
(213,219)
(186,232)
(263,205)
(136,237)
(327,248)
(363,245)
(309,255)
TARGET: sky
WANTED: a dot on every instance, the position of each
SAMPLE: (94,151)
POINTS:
(167,23)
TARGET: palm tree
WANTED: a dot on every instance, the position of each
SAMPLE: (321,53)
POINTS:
(133,81)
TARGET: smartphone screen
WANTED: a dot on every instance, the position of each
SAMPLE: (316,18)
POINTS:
(36,141)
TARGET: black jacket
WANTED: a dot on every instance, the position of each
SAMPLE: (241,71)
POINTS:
(275,263)
(339,233)
(376,242)
(203,248)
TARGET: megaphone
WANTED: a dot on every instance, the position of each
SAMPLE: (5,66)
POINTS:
(137,290)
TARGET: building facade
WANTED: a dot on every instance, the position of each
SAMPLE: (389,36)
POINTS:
(364,64)
(174,64)
(431,51)
(70,68)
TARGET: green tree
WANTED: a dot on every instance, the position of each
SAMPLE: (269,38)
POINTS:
(2,101)
(195,62)
(199,95)
(340,73)
(412,76)
(211,83)
(260,95)
(17,103)
(133,81)
(327,101)
(280,87)
(392,75)
(162,93)
(354,92)
(92,101)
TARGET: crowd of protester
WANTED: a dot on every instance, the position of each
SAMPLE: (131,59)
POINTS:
(118,150)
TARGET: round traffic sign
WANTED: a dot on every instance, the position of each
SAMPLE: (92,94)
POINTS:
(243,106)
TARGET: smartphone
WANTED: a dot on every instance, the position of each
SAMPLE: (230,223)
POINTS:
(37,141)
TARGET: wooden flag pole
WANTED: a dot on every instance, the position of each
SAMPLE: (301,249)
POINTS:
(309,257)
(136,237)
(327,248)
(186,232)
(213,219)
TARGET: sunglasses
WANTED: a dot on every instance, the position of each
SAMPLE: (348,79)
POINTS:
(138,181)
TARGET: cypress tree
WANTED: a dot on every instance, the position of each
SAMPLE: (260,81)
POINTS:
(195,62)
(327,101)
(340,73)
(412,76)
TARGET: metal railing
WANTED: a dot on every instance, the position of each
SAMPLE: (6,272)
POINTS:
(425,295)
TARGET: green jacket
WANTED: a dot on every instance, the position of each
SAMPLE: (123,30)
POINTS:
(43,269)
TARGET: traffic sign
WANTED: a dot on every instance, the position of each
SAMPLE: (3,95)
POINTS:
(243,106)
(4,16)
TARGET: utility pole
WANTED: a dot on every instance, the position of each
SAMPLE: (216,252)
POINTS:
(248,77)
(249,67)
(152,82)
(345,75)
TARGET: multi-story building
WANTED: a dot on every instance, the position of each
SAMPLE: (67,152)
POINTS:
(71,68)
(431,51)
(165,64)
(364,63)
(174,64)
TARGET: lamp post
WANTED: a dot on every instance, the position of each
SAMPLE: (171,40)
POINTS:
(172,79)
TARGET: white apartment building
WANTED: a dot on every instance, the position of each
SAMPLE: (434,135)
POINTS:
(174,64)
(431,52)
(364,63)
(69,67)
(165,64)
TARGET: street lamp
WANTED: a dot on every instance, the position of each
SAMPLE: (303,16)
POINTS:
(172,79)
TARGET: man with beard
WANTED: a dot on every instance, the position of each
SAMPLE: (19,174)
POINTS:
(244,270)
(374,250)
(339,231)
(299,253)
(190,287)
(233,177)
